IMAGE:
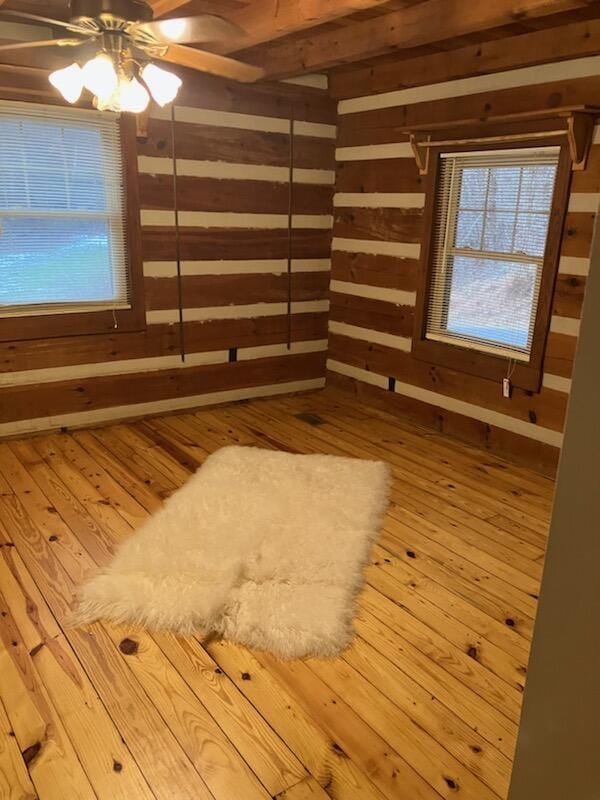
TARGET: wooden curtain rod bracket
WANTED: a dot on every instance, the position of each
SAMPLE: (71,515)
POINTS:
(420,148)
(580,133)
(578,127)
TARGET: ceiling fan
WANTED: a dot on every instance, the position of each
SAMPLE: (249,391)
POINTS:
(119,41)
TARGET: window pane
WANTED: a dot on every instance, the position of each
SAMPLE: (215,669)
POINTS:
(504,187)
(47,166)
(537,188)
(473,187)
(530,237)
(55,260)
(499,229)
(469,227)
(492,301)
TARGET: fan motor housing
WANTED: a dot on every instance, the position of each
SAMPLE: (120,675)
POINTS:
(132,10)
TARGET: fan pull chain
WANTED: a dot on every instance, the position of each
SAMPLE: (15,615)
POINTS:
(177,240)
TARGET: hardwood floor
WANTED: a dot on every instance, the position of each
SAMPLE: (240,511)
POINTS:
(425,703)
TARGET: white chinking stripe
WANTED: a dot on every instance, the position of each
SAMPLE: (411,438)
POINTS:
(367,335)
(379,199)
(557,382)
(225,170)
(249,122)
(369,152)
(396,296)
(133,366)
(584,201)
(514,78)
(487,416)
(571,265)
(235,312)
(84,418)
(274,266)
(233,219)
(273,350)
(375,247)
(566,325)
(405,344)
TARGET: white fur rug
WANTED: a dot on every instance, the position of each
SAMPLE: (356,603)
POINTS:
(262,547)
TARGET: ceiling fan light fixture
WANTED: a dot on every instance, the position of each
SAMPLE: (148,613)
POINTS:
(163,85)
(133,96)
(68,81)
(100,77)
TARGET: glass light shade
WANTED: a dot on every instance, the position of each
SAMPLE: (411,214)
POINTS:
(99,76)
(68,81)
(162,84)
(133,96)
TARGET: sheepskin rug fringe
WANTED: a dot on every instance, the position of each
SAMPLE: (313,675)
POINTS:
(261,547)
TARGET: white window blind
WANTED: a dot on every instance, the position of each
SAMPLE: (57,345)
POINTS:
(491,225)
(62,211)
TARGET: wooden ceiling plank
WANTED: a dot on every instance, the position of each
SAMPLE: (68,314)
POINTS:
(425,23)
(266,20)
(162,7)
(552,44)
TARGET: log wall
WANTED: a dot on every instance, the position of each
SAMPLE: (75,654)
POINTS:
(377,238)
(232,146)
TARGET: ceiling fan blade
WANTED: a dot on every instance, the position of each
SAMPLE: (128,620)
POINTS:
(182,30)
(61,23)
(41,43)
(212,63)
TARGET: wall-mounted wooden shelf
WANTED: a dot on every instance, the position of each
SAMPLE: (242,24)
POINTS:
(575,122)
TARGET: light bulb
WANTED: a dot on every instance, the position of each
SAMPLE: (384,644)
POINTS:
(99,76)
(68,81)
(134,97)
(162,84)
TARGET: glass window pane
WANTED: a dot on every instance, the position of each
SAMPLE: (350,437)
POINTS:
(492,301)
(531,234)
(504,187)
(499,229)
(469,227)
(473,187)
(537,188)
(55,260)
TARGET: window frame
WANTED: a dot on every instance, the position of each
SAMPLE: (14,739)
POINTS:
(524,374)
(121,320)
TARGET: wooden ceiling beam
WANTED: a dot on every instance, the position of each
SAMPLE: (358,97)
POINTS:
(265,20)
(417,25)
(162,7)
(525,50)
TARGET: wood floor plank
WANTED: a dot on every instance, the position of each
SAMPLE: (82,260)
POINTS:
(454,688)
(15,783)
(363,745)
(425,712)
(307,789)
(224,771)
(263,750)
(424,704)
(104,756)
(303,733)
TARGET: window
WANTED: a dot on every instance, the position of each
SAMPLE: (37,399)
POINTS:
(491,260)
(65,246)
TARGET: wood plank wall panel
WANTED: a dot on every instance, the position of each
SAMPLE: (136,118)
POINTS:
(377,223)
(232,146)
